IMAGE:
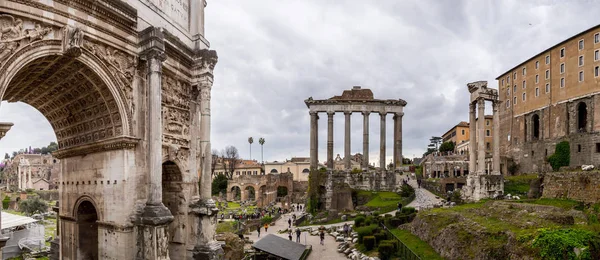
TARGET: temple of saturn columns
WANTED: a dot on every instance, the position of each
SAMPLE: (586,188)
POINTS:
(482,183)
(356,100)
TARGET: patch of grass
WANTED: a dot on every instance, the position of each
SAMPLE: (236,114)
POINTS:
(386,201)
(518,185)
(227,226)
(561,203)
(418,246)
(49,229)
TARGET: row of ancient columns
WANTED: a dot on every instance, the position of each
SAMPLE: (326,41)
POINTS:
(24,178)
(314,139)
(477,138)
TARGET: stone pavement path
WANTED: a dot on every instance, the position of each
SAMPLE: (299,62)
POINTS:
(423,199)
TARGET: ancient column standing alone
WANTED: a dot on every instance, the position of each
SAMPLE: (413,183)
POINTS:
(365,162)
(496,139)
(314,142)
(472,136)
(347,139)
(481,136)
(330,139)
(382,141)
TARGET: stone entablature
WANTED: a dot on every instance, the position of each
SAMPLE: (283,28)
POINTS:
(4,127)
(361,102)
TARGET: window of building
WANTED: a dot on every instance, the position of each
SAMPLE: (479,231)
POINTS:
(578,148)
(547,74)
(547,59)
(596,55)
(514,101)
(597,38)
(547,87)
(562,52)
(524,85)
(514,75)
(515,89)
(487,122)
(524,97)
(524,71)
(537,79)
(488,146)
(562,68)
(580,76)
(537,64)
(508,92)
(463,132)
(502,84)
(596,71)
(507,103)
(580,60)
(597,144)
(562,82)
(507,79)
(537,92)
(580,44)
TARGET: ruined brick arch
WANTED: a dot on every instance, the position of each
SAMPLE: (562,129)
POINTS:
(89,199)
(39,64)
(249,189)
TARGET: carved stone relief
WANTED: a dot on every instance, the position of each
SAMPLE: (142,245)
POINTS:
(177,117)
(14,35)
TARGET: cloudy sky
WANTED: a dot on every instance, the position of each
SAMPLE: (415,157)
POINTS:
(273,54)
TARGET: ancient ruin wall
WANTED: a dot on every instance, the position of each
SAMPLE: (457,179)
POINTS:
(375,181)
(580,186)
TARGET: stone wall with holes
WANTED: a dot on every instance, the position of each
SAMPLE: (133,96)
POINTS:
(578,185)
(373,180)
(559,122)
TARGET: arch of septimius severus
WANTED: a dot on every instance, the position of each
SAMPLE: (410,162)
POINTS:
(126,86)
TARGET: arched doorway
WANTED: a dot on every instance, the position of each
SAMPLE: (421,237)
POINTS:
(536,126)
(173,198)
(87,225)
(236,193)
(251,193)
(282,191)
(582,117)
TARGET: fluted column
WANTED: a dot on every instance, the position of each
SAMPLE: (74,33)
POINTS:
(19,177)
(314,144)
(496,141)
(481,136)
(365,162)
(347,164)
(330,139)
(472,139)
(205,144)
(382,141)
(398,140)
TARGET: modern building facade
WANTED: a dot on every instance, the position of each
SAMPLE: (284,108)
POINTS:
(459,134)
(549,98)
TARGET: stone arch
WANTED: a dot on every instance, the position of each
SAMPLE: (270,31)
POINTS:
(87,216)
(306,170)
(250,192)
(173,198)
(535,121)
(273,171)
(582,115)
(81,88)
(235,193)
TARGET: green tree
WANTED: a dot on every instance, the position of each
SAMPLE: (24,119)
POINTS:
(219,184)
(33,205)
(561,156)
(447,146)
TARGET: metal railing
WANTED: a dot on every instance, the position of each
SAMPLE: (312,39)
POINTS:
(403,251)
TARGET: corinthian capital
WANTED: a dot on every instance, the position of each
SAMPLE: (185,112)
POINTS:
(205,61)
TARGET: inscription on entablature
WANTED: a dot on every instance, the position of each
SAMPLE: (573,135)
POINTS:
(178,10)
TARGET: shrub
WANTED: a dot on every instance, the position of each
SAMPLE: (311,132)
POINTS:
(33,205)
(561,156)
(559,244)
(266,220)
(408,210)
(395,222)
(369,220)
(6,202)
(359,221)
(369,242)
(365,231)
(386,249)
(406,190)
(380,236)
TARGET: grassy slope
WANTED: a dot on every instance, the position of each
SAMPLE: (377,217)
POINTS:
(418,246)
(386,201)
(518,185)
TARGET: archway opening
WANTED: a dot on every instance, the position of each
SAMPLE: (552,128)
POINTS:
(251,192)
(174,199)
(237,192)
(282,191)
(263,196)
(536,126)
(273,171)
(87,225)
(582,117)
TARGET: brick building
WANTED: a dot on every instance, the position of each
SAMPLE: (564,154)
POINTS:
(549,98)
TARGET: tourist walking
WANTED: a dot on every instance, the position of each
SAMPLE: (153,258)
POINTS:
(298,232)
(290,224)
(258,230)
(266,227)
(290,235)
(322,236)
(346,229)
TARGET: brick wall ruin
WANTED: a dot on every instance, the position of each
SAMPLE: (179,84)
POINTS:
(579,186)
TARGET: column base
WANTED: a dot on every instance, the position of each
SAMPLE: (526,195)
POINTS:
(55,249)
(155,215)
(210,251)
(206,207)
